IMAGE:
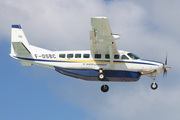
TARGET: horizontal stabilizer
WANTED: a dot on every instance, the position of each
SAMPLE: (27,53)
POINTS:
(25,63)
(20,48)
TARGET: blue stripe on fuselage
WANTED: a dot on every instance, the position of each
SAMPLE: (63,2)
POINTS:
(131,62)
(152,61)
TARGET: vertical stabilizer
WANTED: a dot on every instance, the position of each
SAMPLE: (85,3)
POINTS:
(19,43)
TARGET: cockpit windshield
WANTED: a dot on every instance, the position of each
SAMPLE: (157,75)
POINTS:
(133,56)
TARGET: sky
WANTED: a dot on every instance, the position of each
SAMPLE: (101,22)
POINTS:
(149,29)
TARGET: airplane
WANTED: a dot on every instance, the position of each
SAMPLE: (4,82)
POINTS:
(103,62)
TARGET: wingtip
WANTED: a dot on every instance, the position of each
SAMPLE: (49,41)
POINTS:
(100,17)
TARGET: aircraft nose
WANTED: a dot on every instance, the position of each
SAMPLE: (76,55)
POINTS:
(161,68)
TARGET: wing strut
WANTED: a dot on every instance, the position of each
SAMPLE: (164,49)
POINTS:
(111,56)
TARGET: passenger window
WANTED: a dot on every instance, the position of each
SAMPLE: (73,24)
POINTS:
(107,56)
(86,55)
(124,57)
(77,55)
(69,55)
(61,55)
(116,56)
(97,55)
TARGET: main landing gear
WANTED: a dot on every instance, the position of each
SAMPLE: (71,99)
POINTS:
(104,88)
(102,77)
(154,85)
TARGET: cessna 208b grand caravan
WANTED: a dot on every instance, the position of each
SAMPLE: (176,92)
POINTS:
(102,63)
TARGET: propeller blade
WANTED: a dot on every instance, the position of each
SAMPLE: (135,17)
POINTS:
(166,60)
(165,67)
(165,73)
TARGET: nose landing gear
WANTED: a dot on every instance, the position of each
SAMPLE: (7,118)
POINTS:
(154,85)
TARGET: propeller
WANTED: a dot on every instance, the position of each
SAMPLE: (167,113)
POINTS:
(165,67)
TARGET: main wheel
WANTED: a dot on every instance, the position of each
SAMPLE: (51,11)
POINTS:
(154,86)
(104,88)
(101,76)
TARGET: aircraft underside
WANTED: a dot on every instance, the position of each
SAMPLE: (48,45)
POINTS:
(91,75)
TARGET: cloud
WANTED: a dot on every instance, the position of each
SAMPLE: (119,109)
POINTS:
(123,101)
(167,16)
(59,21)
(55,22)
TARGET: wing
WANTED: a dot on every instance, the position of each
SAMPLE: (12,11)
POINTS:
(101,37)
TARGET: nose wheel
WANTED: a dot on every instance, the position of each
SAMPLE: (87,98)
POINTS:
(154,85)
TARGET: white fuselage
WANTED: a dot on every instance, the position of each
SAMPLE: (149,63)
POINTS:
(83,60)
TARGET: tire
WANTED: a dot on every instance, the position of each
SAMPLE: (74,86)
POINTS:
(101,76)
(154,86)
(104,88)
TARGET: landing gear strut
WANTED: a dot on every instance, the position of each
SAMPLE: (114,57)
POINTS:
(101,76)
(154,85)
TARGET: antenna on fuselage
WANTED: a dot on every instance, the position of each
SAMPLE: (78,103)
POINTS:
(55,49)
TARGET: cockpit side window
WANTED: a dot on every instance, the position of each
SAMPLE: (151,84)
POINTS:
(133,56)
(124,57)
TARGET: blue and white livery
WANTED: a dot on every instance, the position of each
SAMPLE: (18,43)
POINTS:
(103,62)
